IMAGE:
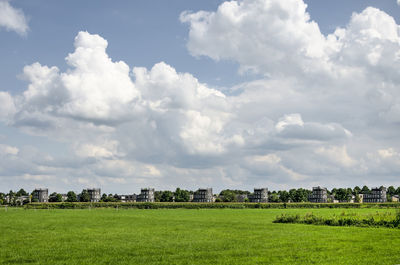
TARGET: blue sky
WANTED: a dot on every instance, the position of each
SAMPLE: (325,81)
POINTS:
(276,88)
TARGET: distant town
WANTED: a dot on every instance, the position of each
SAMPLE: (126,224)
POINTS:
(259,195)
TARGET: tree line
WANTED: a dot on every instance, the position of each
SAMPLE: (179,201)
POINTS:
(181,195)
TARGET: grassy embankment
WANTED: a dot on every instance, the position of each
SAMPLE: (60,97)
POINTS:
(184,236)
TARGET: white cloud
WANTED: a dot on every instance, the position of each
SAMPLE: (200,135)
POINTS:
(12,18)
(260,35)
(7,106)
(337,154)
(398,2)
(289,120)
(292,126)
(323,111)
(8,150)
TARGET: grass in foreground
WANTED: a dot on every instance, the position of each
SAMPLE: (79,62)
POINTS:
(181,236)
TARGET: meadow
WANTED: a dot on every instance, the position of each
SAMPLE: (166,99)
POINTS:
(189,236)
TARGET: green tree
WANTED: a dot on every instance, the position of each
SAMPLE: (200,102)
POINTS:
(84,196)
(103,197)
(365,190)
(71,196)
(181,195)
(356,190)
(167,196)
(391,191)
(343,195)
(273,197)
(157,195)
(55,197)
(284,195)
(228,195)
(21,192)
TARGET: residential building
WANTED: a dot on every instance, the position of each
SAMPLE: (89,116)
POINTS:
(318,195)
(94,194)
(361,197)
(40,195)
(259,195)
(21,199)
(146,195)
(395,198)
(241,197)
(376,195)
(64,197)
(203,195)
(128,198)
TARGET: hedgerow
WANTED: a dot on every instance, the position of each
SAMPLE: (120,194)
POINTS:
(190,205)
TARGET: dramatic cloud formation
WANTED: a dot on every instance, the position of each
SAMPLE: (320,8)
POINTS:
(325,112)
(12,18)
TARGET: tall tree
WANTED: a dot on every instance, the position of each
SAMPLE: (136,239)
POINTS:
(227,195)
(71,197)
(284,195)
(21,192)
(365,190)
(181,195)
(84,196)
(55,197)
(167,196)
(391,191)
(356,190)
(157,195)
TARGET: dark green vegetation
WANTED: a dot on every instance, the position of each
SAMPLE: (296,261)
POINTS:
(192,205)
(378,219)
(181,236)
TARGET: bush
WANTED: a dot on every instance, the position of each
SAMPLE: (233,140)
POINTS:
(377,220)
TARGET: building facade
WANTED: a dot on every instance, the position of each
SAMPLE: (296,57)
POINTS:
(40,195)
(128,198)
(146,195)
(203,195)
(259,195)
(376,195)
(241,197)
(94,195)
(318,195)
(21,200)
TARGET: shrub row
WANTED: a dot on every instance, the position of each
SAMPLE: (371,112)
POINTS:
(186,205)
(354,220)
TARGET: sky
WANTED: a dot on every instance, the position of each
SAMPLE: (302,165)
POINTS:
(238,94)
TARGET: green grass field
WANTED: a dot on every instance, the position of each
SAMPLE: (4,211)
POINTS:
(182,236)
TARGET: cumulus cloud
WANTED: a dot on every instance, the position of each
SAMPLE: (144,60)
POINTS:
(292,126)
(7,106)
(337,154)
(12,18)
(324,111)
(260,35)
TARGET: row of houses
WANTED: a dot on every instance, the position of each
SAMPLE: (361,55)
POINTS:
(260,195)
(377,195)
(147,195)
